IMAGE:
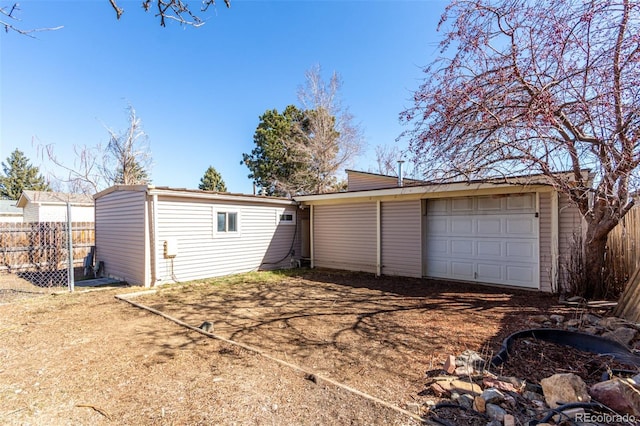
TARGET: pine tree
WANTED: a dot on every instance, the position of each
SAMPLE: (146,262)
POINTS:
(212,181)
(19,175)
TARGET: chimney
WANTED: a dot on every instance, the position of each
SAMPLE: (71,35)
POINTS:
(400,172)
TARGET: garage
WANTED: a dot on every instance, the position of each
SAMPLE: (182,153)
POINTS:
(489,239)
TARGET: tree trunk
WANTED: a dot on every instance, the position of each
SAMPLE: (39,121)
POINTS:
(594,259)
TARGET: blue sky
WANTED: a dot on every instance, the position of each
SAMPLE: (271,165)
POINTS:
(200,91)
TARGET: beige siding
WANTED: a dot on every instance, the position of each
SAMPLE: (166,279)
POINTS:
(546,260)
(202,252)
(570,226)
(121,237)
(363,181)
(401,238)
(345,236)
(30,213)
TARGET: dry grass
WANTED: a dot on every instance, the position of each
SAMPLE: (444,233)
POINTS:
(88,358)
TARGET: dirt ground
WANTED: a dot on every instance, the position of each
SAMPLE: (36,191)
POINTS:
(89,358)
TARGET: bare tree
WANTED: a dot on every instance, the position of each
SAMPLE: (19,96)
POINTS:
(539,87)
(166,10)
(328,138)
(10,21)
(387,158)
(125,160)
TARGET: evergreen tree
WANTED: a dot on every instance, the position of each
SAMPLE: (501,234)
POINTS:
(212,181)
(19,175)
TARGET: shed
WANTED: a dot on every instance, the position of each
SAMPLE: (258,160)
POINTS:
(46,206)
(9,212)
(508,233)
(148,235)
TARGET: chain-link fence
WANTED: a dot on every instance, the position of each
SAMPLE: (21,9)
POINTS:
(34,257)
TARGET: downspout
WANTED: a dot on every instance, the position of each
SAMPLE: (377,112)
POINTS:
(379,239)
(555,248)
(153,239)
(311,242)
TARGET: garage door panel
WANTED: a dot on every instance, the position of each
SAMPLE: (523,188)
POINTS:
(490,272)
(438,268)
(489,226)
(520,225)
(485,239)
(489,204)
(520,275)
(520,250)
(491,249)
(438,225)
(462,270)
(438,246)
(462,204)
(462,225)
(462,247)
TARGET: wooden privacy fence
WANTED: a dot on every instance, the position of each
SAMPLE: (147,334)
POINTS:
(38,246)
(623,243)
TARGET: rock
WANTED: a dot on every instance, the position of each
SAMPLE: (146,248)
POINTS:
(459,386)
(438,390)
(592,319)
(507,384)
(413,407)
(592,330)
(465,370)
(618,394)
(557,318)
(572,323)
(613,322)
(492,395)
(533,396)
(563,389)
(539,318)
(622,335)
(509,420)
(470,358)
(495,412)
(576,299)
(466,401)
(450,364)
(479,404)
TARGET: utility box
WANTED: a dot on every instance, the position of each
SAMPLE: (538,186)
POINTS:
(170,248)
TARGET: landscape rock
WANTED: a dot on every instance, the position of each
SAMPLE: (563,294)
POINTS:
(479,404)
(491,395)
(572,323)
(622,335)
(465,401)
(612,322)
(465,370)
(563,389)
(557,318)
(459,386)
(470,358)
(507,384)
(618,394)
(450,364)
(495,412)
(571,413)
(509,420)
(533,396)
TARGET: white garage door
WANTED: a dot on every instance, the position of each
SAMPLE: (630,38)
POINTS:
(492,239)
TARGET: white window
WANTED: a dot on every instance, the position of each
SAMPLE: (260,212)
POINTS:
(226,222)
(285,218)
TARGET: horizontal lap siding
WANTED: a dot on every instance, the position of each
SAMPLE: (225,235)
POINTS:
(203,252)
(401,238)
(546,260)
(345,236)
(121,235)
(361,182)
(570,228)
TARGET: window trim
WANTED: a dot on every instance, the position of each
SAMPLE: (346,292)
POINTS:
(214,222)
(281,221)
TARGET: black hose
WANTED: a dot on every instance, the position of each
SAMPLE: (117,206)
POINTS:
(293,242)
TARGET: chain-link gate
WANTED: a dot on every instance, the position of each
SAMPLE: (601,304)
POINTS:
(34,257)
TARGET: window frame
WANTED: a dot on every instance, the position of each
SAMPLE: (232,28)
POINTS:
(227,212)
